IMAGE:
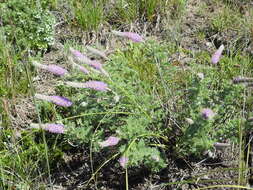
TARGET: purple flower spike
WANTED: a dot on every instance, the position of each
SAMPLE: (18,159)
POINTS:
(58,100)
(111,141)
(207,113)
(51,127)
(131,35)
(61,101)
(217,55)
(123,161)
(54,128)
(96,85)
(57,70)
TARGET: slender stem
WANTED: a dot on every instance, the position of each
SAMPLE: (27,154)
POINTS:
(40,123)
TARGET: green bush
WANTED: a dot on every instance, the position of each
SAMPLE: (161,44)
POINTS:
(27,25)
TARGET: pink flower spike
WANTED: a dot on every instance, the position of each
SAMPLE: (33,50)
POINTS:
(58,100)
(131,35)
(54,128)
(111,141)
(217,55)
(207,113)
(123,161)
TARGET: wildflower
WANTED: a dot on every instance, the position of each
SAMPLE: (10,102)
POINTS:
(50,127)
(58,100)
(57,70)
(96,85)
(131,35)
(123,161)
(207,113)
(97,52)
(111,141)
(217,55)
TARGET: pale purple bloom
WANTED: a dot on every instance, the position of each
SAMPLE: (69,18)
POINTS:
(123,161)
(217,55)
(111,141)
(55,69)
(207,113)
(50,127)
(96,52)
(96,85)
(58,100)
(131,35)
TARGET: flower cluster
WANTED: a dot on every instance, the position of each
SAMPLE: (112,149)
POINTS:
(86,65)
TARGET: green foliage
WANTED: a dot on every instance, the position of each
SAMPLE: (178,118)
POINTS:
(229,18)
(23,159)
(89,14)
(27,24)
(12,81)
(216,92)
